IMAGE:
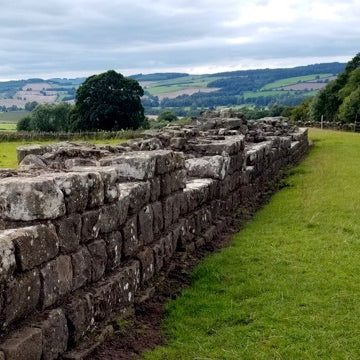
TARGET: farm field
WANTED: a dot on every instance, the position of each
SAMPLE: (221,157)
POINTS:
(8,157)
(289,285)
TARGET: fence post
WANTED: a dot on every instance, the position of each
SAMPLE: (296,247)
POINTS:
(322,121)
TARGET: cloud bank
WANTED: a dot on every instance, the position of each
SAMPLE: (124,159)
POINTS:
(79,38)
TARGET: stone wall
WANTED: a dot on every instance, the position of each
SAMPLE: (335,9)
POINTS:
(86,230)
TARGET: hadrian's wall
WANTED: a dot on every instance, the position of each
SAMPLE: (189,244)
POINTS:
(85,230)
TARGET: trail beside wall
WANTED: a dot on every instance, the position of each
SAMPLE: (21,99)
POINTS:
(86,230)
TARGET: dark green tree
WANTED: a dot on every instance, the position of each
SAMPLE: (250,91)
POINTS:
(109,101)
(24,124)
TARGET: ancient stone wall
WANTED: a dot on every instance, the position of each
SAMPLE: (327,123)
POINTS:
(86,230)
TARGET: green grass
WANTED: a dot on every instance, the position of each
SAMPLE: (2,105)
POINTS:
(7,126)
(8,149)
(254,94)
(289,285)
(293,80)
(12,116)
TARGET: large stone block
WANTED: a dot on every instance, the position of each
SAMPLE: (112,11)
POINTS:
(98,254)
(137,193)
(25,344)
(91,224)
(215,167)
(69,232)
(21,296)
(169,246)
(131,241)
(114,215)
(147,261)
(167,206)
(81,264)
(146,220)
(159,252)
(228,146)
(79,312)
(35,245)
(75,188)
(31,198)
(57,279)
(136,165)
(7,255)
(155,189)
(25,150)
(158,217)
(96,190)
(55,334)
(113,242)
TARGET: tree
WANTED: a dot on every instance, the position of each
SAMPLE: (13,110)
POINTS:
(30,106)
(109,101)
(24,124)
(167,116)
(349,110)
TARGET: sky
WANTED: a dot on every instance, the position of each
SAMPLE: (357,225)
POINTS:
(74,38)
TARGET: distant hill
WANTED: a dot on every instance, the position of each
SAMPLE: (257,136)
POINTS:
(182,91)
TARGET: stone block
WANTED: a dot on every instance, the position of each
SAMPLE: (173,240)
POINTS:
(215,167)
(31,198)
(98,254)
(147,261)
(181,198)
(131,241)
(81,264)
(136,165)
(146,220)
(159,252)
(165,161)
(137,194)
(109,218)
(91,224)
(176,207)
(69,232)
(7,255)
(25,344)
(2,356)
(55,334)
(179,179)
(57,279)
(21,296)
(79,312)
(113,242)
(169,246)
(155,189)
(158,217)
(25,150)
(75,188)
(35,245)
(167,206)
(96,190)
(166,184)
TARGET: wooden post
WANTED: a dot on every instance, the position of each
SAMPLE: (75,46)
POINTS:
(322,121)
(355,125)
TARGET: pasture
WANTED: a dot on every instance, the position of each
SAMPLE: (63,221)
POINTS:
(288,287)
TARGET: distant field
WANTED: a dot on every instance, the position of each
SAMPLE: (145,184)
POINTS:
(309,85)
(185,91)
(294,80)
(7,126)
(12,116)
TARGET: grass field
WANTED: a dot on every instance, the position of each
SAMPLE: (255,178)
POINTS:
(294,80)
(12,116)
(8,149)
(289,285)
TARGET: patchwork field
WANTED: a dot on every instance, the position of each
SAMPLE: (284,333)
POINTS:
(289,285)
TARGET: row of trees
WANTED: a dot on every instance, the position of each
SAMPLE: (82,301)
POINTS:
(107,101)
(338,101)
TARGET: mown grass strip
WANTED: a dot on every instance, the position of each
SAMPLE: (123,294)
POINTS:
(289,285)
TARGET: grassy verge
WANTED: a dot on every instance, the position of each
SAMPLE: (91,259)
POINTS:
(8,157)
(289,285)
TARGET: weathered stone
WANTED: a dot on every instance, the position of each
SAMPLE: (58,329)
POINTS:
(230,145)
(32,161)
(35,245)
(158,217)
(179,179)
(155,188)
(146,220)
(25,150)
(2,356)
(167,205)
(137,165)
(165,161)
(75,188)
(30,198)
(169,246)
(91,224)
(81,264)
(166,184)
(147,261)
(22,296)
(113,248)
(137,193)
(69,233)
(55,334)
(176,208)
(159,254)
(25,344)
(96,190)
(98,253)
(131,241)
(80,316)
(57,280)
(7,255)
(215,167)
(177,143)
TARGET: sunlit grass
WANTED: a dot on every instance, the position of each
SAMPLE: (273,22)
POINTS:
(289,285)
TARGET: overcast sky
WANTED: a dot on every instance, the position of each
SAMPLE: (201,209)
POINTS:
(70,38)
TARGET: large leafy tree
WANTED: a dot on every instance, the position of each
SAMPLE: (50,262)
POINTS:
(109,101)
